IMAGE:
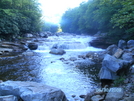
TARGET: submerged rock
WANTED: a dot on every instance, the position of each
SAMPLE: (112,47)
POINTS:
(57,51)
(31,91)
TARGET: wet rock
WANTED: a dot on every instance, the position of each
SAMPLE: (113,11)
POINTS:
(128,57)
(28,53)
(8,98)
(32,46)
(100,43)
(73,58)
(10,48)
(132,69)
(1,81)
(111,49)
(115,94)
(28,35)
(57,51)
(110,66)
(55,46)
(89,95)
(31,91)
(6,50)
(129,98)
(97,98)
(82,96)
(118,53)
(73,96)
(122,44)
(130,43)
(0,53)
(82,56)
(43,35)
(84,63)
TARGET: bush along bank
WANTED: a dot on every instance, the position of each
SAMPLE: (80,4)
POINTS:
(116,74)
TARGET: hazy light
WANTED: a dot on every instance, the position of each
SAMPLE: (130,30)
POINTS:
(53,9)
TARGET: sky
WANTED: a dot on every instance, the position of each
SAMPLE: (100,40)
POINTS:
(52,10)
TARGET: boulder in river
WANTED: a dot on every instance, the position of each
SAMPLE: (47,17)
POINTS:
(57,51)
(31,91)
(32,46)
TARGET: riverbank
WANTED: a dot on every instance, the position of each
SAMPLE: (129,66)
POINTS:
(117,66)
(84,62)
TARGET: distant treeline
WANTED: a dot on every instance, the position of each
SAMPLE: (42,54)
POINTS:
(18,17)
(114,17)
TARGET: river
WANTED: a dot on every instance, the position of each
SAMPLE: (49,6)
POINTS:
(50,69)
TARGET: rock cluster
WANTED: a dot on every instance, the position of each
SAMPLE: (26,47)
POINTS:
(11,48)
(29,91)
(118,62)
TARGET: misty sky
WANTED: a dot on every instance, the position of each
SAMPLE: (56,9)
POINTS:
(53,9)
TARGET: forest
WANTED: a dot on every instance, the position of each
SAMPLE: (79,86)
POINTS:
(18,17)
(113,17)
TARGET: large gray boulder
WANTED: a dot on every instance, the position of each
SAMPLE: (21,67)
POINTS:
(31,91)
(128,57)
(110,65)
(122,44)
(114,94)
(118,53)
(111,49)
(130,43)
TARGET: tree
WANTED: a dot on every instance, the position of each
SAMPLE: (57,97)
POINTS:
(50,27)
(18,17)
(124,19)
(114,17)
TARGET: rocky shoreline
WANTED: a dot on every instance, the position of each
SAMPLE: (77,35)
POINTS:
(119,63)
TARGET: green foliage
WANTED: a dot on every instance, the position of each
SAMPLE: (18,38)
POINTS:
(119,81)
(50,27)
(124,19)
(115,17)
(18,17)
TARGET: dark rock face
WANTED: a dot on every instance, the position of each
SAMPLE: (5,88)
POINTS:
(100,43)
(32,46)
(11,48)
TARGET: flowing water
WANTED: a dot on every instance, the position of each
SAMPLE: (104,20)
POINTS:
(48,68)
